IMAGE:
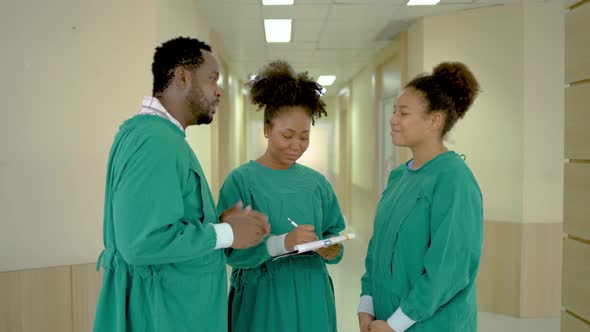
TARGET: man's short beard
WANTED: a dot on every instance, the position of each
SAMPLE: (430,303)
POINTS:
(201,114)
(204,118)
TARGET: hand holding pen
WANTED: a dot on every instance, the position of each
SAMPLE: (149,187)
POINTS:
(301,234)
(329,252)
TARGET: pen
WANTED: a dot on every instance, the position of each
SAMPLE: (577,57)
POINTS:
(292,222)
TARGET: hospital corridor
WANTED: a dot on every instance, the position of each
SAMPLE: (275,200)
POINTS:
(149,146)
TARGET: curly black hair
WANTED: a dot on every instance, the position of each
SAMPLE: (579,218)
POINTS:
(181,51)
(277,85)
(451,89)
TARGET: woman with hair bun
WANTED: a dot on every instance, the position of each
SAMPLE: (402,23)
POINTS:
(293,293)
(423,258)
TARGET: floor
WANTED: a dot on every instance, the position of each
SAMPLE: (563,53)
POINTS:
(346,278)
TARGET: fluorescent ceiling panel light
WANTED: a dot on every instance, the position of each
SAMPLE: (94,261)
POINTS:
(422,2)
(277,31)
(277,2)
(326,80)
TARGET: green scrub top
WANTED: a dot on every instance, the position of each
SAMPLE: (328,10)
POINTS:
(426,246)
(161,269)
(292,294)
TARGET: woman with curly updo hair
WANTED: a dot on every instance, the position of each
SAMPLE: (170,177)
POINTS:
(424,255)
(292,293)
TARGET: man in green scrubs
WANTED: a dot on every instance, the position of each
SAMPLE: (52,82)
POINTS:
(164,265)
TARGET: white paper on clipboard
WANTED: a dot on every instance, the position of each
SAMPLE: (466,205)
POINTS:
(305,247)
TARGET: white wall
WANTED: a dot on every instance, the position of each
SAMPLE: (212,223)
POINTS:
(72,71)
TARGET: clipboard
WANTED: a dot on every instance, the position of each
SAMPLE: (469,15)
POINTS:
(305,247)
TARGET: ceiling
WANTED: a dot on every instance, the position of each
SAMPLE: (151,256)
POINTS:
(329,37)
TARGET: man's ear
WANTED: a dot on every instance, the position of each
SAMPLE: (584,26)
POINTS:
(181,76)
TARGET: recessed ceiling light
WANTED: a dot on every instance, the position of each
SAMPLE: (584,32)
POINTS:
(326,80)
(277,2)
(422,2)
(277,31)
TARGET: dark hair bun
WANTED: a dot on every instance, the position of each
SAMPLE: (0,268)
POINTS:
(277,85)
(459,83)
(272,85)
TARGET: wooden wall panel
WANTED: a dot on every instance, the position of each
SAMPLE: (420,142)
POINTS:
(573,3)
(576,276)
(570,323)
(576,206)
(577,120)
(576,214)
(86,284)
(498,280)
(569,3)
(9,296)
(45,296)
(36,300)
(540,286)
(577,44)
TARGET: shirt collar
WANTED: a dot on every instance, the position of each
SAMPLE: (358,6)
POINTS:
(152,106)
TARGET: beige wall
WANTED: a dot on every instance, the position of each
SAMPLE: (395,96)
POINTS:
(518,109)
(364,168)
(342,146)
(337,150)
(543,112)
(253,117)
(363,129)
(238,132)
(72,72)
(495,54)
(338,137)
(415,47)
(361,121)
(228,130)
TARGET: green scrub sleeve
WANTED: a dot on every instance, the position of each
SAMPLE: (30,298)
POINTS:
(332,219)
(366,284)
(452,260)
(147,209)
(232,191)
